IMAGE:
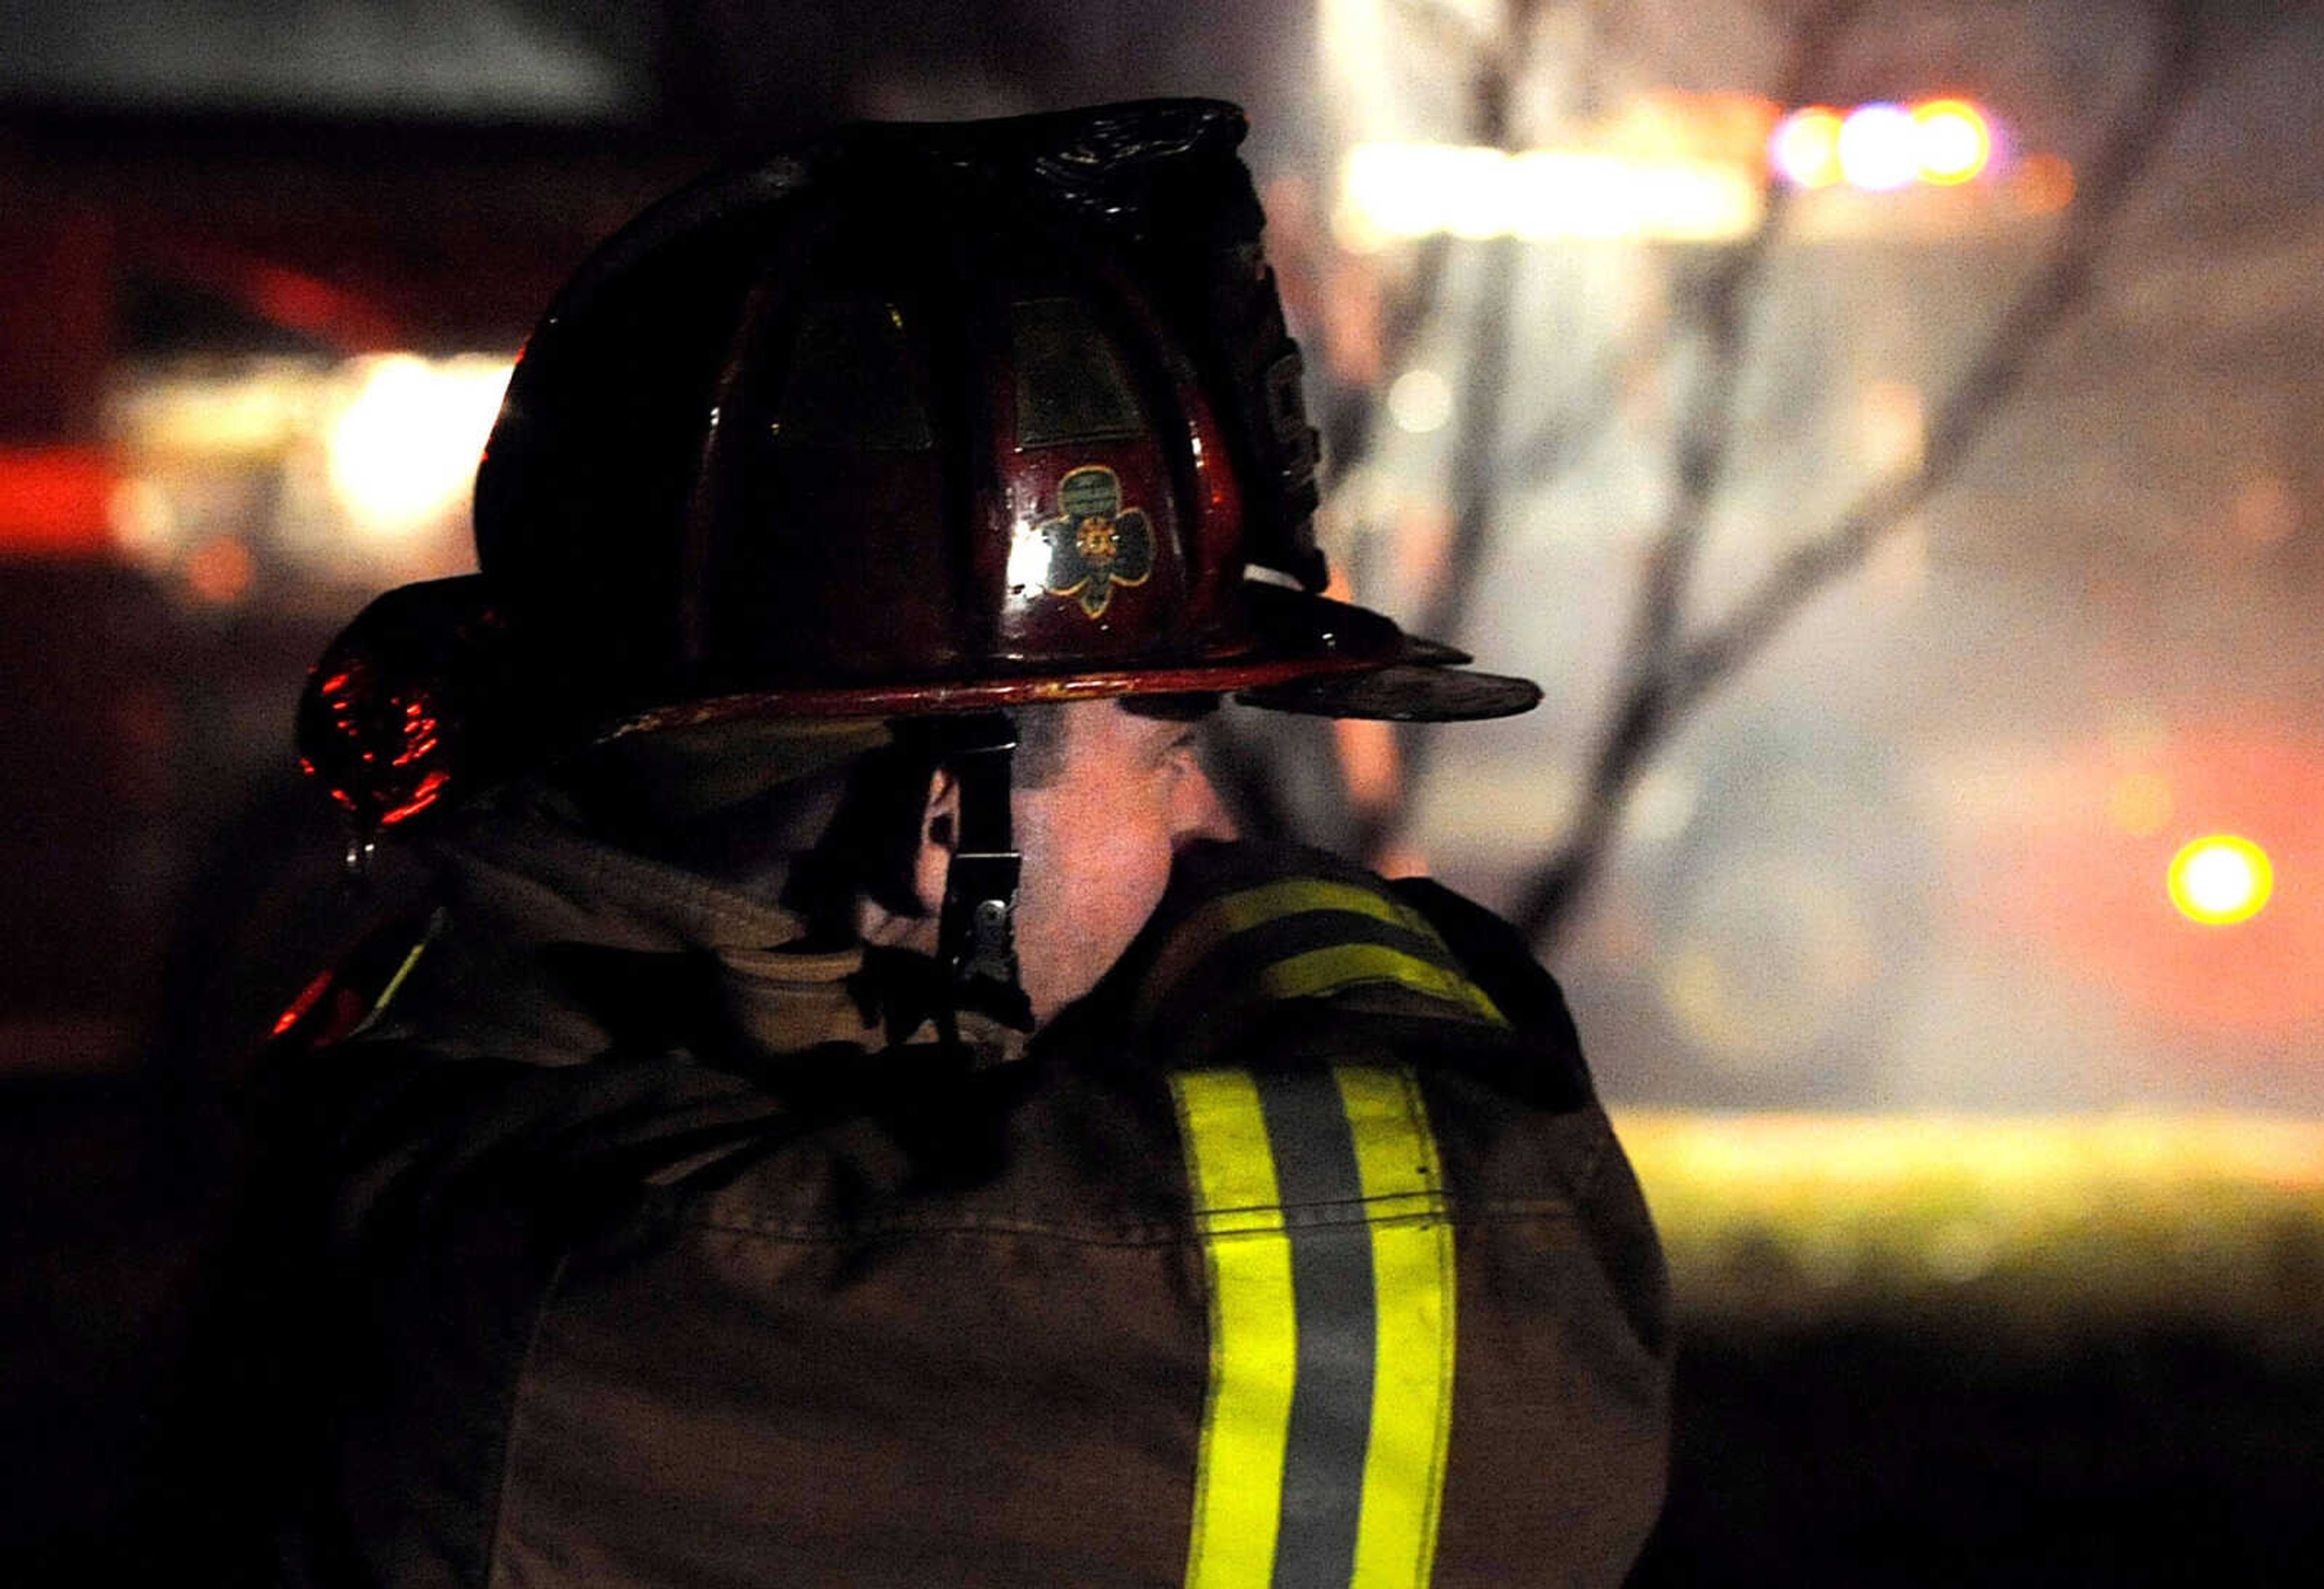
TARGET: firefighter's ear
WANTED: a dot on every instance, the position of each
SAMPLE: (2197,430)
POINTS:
(931,860)
(939,824)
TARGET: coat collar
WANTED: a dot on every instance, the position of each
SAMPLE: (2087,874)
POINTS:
(555,948)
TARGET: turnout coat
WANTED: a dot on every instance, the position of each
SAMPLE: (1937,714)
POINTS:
(616,1237)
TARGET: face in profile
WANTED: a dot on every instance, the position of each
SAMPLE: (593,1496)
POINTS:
(1119,794)
(1098,838)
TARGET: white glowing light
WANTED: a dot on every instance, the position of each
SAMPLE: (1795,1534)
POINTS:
(2221,879)
(403,450)
(1420,401)
(1804,148)
(1951,142)
(1028,560)
(1400,190)
(1879,148)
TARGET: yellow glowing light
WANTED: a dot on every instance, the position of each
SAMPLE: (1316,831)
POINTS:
(1951,142)
(1772,1215)
(403,450)
(1389,191)
(2221,879)
(254,414)
(1806,148)
(144,521)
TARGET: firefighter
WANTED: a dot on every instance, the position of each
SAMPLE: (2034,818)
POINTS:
(853,1111)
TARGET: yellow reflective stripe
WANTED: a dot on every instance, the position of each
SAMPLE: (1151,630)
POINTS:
(1328,970)
(395,983)
(1254,1332)
(1413,1285)
(1255,1325)
(1222,918)
(1239,913)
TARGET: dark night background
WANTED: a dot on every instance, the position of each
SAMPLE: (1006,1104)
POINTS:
(1914,572)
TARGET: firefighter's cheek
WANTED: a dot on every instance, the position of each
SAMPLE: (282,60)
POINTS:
(1096,861)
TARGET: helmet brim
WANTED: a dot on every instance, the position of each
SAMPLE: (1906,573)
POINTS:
(1314,655)
(1402,692)
(430,696)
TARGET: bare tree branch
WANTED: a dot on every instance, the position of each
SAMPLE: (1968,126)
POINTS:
(1720,300)
(1668,679)
(1707,429)
(1498,67)
(1448,31)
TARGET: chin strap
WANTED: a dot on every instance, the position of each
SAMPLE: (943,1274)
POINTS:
(977,933)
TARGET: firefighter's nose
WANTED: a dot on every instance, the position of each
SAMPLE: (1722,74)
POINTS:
(1197,811)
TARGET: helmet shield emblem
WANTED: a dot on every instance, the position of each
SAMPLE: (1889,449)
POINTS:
(1096,543)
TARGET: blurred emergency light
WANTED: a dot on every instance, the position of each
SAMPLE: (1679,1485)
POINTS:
(1882,147)
(1876,147)
(1805,149)
(404,451)
(1389,191)
(53,500)
(2221,879)
(1952,142)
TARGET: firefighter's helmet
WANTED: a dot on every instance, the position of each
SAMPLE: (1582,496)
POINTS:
(917,418)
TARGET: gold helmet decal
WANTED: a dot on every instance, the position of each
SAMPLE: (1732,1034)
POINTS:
(1097,544)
